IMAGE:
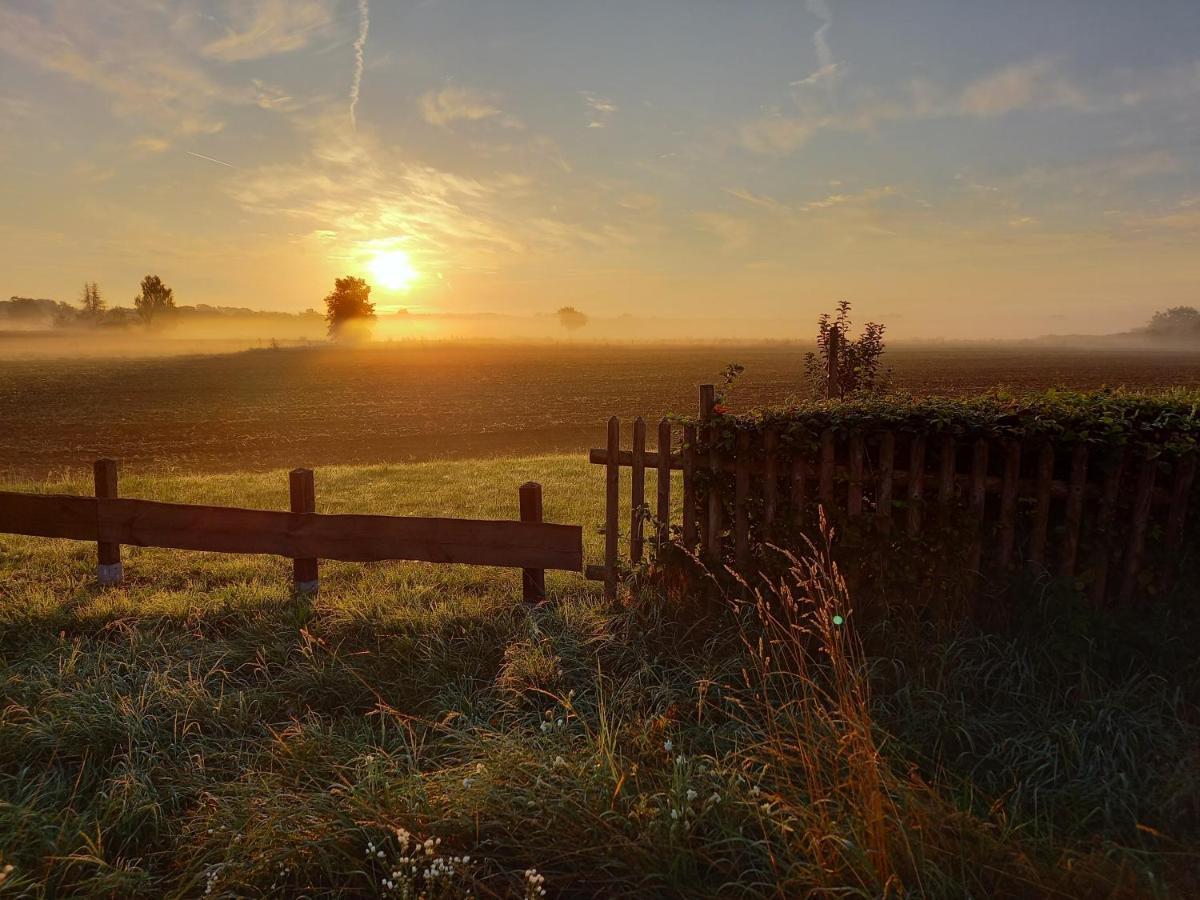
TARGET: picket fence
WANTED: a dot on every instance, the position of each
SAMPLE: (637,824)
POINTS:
(1026,501)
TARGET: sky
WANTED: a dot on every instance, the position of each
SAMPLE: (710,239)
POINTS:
(958,169)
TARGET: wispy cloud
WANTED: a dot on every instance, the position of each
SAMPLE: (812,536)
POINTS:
(269,27)
(820,9)
(148,60)
(733,232)
(360,49)
(1034,84)
(454,104)
(601,109)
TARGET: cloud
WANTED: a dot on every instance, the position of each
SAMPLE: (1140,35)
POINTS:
(601,108)
(759,200)
(820,9)
(148,143)
(350,187)
(140,55)
(1032,84)
(639,201)
(453,104)
(734,232)
(821,75)
(861,198)
(269,96)
(1180,219)
(360,45)
(778,134)
(264,28)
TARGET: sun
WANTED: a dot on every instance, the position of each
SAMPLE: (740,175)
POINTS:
(393,269)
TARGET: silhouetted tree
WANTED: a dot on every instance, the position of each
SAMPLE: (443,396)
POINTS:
(843,365)
(1176,322)
(155,300)
(571,319)
(91,304)
(28,312)
(349,311)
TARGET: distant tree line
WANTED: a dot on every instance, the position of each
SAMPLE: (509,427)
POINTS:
(153,308)
(1178,323)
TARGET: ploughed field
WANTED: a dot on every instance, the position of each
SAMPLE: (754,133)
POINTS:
(262,409)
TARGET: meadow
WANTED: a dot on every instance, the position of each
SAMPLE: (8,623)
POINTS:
(417,730)
(262,409)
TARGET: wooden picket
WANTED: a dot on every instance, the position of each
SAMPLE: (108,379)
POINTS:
(1035,517)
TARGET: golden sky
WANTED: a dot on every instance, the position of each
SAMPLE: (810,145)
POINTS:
(963,170)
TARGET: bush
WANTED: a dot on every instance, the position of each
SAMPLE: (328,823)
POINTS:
(1160,426)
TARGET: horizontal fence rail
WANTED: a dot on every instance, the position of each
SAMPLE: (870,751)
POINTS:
(301,534)
(1034,500)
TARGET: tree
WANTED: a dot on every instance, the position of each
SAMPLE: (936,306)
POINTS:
(1179,322)
(842,365)
(349,311)
(91,303)
(571,319)
(155,300)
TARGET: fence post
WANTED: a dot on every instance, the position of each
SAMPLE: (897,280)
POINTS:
(916,483)
(770,482)
(108,555)
(533,581)
(1074,515)
(304,500)
(691,511)
(612,504)
(741,498)
(887,465)
(1137,538)
(712,522)
(637,504)
(663,483)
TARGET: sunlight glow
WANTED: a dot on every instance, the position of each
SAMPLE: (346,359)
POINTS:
(393,269)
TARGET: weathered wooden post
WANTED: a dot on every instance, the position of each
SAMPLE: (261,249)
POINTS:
(883,497)
(741,500)
(612,505)
(691,510)
(713,521)
(304,500)
(533,581)
(108,554)
(663,483)
(637,502)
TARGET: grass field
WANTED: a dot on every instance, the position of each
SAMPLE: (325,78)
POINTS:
(263,409)
(198,731)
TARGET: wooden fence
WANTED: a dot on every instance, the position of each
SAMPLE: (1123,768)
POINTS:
(300,534)
(1031,500)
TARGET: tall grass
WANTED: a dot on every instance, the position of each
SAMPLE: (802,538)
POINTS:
(416,730)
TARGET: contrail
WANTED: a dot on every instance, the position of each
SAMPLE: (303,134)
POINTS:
(219,162)
(820,9)
(360,44)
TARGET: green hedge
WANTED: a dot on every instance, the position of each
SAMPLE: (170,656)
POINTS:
(1166,422)
(1164,426)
